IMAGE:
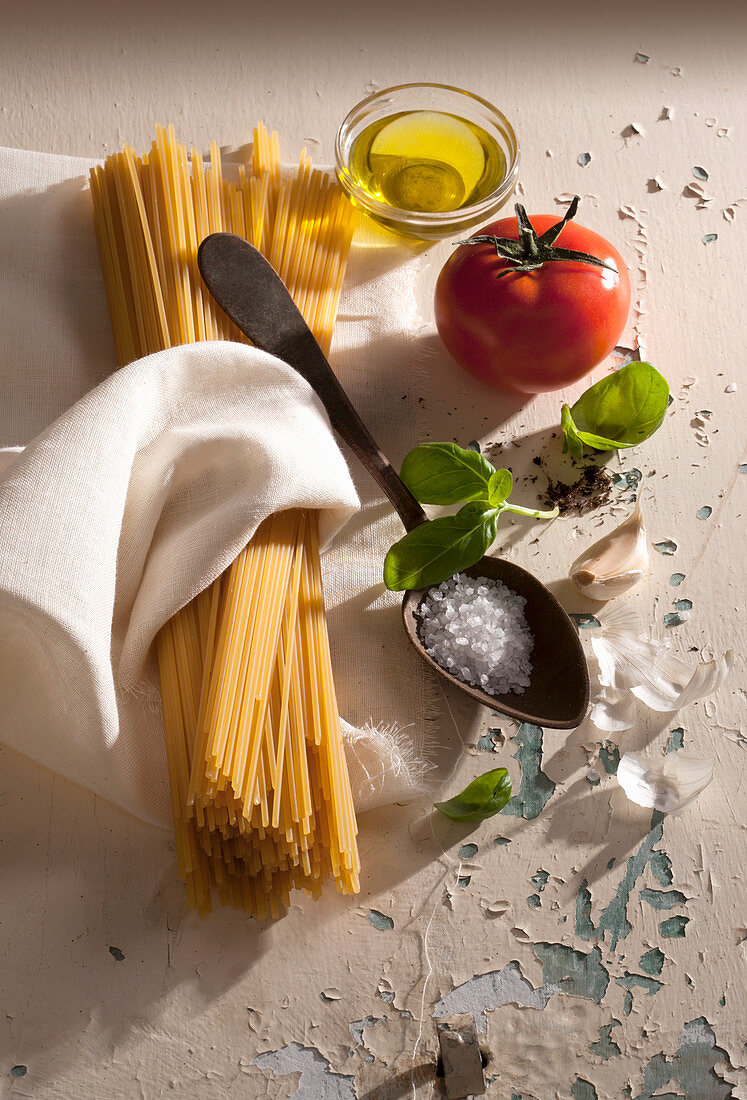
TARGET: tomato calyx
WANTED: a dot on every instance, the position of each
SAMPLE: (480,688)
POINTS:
(531,250)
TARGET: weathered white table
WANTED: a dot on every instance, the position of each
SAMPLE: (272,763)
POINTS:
(600,950)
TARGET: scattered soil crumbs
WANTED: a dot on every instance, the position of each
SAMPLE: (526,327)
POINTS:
(590,491)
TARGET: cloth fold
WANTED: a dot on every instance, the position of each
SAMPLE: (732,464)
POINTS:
(126,507)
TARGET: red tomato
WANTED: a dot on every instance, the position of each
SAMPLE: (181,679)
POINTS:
(532,331)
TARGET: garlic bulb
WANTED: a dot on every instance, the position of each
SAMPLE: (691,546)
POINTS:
(615,562)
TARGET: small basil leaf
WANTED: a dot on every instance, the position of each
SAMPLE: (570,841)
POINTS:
(436,550)
(443,473)
(571,440)
(624,408)
(499,487)
(483,797)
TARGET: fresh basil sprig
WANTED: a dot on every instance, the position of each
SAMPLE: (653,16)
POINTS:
(621,410)
(444,473)
(483,797)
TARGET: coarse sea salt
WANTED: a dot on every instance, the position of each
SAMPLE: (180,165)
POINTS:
(475,628)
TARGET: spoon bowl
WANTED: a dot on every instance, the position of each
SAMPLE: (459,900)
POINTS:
(253,295)
(558,691)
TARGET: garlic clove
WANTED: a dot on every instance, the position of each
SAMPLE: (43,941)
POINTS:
(615,563)
(669,784)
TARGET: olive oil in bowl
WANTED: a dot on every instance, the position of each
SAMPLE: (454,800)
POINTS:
(427,161)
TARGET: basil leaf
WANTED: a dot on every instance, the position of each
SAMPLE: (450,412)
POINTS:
(500,486)
(572,442)
(436,550)
(622,409)
(483,797)
(443,473)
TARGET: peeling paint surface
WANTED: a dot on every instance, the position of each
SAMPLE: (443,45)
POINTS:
(622,978)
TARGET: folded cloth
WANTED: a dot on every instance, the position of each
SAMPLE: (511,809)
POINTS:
(138,495)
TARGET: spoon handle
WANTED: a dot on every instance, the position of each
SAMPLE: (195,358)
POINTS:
(250,291)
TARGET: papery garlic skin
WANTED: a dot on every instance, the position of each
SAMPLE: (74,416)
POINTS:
(669,784)
(633,667)
(615,563)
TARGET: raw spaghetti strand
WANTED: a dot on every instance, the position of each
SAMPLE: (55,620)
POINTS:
(260,795)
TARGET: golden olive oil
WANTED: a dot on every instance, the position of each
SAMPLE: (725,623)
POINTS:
(427,161)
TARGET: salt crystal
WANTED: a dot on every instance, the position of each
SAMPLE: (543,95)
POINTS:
(494,641)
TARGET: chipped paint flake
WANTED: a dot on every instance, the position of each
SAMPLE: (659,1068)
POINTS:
(642,58)
(614,918)
(676,740)
(606,1047)
(674,928)
(584,620)
(676,579)
(609,755)
(652,962)
(380,920)
(583,1090)
(485,992)
(536,788)
(117,954)
(705,512)
(693,1066)
(700,173)
(317,1082)
(667,547)
(357,1027)
(565,970)
(468,851)
(709,238)
(663,899)
(18,1071)
(584,159)
(631,981)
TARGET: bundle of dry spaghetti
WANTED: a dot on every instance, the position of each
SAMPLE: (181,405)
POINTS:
(259,784)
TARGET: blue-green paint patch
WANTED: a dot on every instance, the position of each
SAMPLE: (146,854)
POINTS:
(572,972)
(722,1000)
(19,1071)
(627,1003)
(676,739)
(117,954)
(666,547)
(614,919)
(673,618)
(606,1047)
(705,413)
(379,920)
(611,863)
(490,741)
(661,867)
(536,788)
(534,901)
(705,512)
(693,1067)
(674,928)
(630,981)
(357,1027)
(515,1096)
(593,777)
(585,929)
(468,851)
(683,605)
(501,840)
(609,755)
(663,899)
(386,995)
(463,881)
(709,238)
(582,1089)
(629,479)
(583,621)
(676,579)
(743,467)
(652,962)
(540,880)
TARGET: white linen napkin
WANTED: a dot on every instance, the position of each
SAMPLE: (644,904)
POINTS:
(135,497)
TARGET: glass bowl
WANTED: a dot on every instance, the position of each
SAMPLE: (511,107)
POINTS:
(492,128)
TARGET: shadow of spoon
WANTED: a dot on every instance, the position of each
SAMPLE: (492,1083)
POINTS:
(252,294)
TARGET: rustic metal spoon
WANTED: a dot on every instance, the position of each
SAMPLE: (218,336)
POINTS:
(251,292)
